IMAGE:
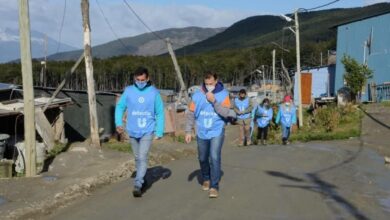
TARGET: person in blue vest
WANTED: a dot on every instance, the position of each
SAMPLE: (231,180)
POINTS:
(287,116)
(262,115)
(209,110)
(145,119)
(243,109)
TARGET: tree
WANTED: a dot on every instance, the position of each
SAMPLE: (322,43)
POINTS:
(356,75)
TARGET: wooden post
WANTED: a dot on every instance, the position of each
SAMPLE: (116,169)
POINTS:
(273,76)
(62,84)
(183,89)
(263,70)
(298,50)
(44,128)
(28,91)
(59,131)
(43,64)
(89,73)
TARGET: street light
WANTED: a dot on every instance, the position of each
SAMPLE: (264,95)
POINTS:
(296,32)
(284,17)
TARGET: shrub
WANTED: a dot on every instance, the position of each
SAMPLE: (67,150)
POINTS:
(328,118)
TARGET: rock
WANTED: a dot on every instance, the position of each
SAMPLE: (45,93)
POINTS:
(79,149)
(387,160)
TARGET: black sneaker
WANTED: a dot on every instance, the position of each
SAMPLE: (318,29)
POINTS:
(137,191)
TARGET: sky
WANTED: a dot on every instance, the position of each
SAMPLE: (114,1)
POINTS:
(46,15)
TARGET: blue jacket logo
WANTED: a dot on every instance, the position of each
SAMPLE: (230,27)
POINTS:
(207,122)
(141,99)
(141,122)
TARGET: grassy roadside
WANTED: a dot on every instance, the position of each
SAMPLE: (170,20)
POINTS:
(114,144)
(330,123)
(385,103)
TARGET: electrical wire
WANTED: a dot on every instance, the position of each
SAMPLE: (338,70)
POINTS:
(142,21)
(322,6)
(111,28)
(147,26)
(62,25)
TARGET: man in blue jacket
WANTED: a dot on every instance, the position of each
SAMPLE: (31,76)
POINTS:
(145,118)
(243,109)
(263,116)
(209,110)
(287,116)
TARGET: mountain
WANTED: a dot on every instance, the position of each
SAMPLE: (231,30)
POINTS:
(10,50)
(261,30)
(145,44)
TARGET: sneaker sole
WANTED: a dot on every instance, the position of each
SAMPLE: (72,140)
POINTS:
(137,194)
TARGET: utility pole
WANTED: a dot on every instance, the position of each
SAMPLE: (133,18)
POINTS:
(263,70)
(273,75)
(183,89)
(44,64)
(95,141)
(300,113)
(28,91)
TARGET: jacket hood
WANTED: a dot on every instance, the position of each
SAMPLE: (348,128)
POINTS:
(218,88)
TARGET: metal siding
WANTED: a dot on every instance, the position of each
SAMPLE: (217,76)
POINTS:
(350,41)
(319,82)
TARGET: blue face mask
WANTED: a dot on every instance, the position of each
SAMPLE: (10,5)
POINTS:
(141,84)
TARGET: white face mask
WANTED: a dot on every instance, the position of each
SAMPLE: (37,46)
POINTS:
(210,88)
(287,103)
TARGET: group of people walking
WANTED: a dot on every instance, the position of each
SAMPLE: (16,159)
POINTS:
(248,117)
(209,111)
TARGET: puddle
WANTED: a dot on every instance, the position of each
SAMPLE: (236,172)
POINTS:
(2,200)
(385,204)
(50,178)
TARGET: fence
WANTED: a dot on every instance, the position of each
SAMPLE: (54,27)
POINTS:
(382,92)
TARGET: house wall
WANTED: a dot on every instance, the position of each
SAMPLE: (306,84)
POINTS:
(350,41)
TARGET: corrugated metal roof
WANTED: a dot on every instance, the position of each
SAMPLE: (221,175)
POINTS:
(6,86)
(360,19)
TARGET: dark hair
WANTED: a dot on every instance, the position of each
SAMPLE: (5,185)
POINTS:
(242,91)
(264,101)
(209,75)
(141,71)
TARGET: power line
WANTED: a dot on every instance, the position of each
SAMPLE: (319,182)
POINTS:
(62,25)
(322,6)
(111,28)
(142,21)
(147,26)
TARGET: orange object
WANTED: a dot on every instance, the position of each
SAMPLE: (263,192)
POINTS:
(306,84)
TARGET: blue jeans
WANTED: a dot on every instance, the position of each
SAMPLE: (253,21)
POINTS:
(209,155)
(141,147)
(285,132)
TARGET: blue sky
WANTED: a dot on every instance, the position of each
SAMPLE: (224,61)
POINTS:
(46,15)
(262,6)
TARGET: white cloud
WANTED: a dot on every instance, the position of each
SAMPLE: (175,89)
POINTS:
(46,17)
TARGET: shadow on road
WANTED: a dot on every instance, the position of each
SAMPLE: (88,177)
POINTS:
(326,189)
(198,176)
(153,175)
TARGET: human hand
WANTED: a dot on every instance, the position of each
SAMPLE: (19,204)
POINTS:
(210,97)
(188,138)
(119,129)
